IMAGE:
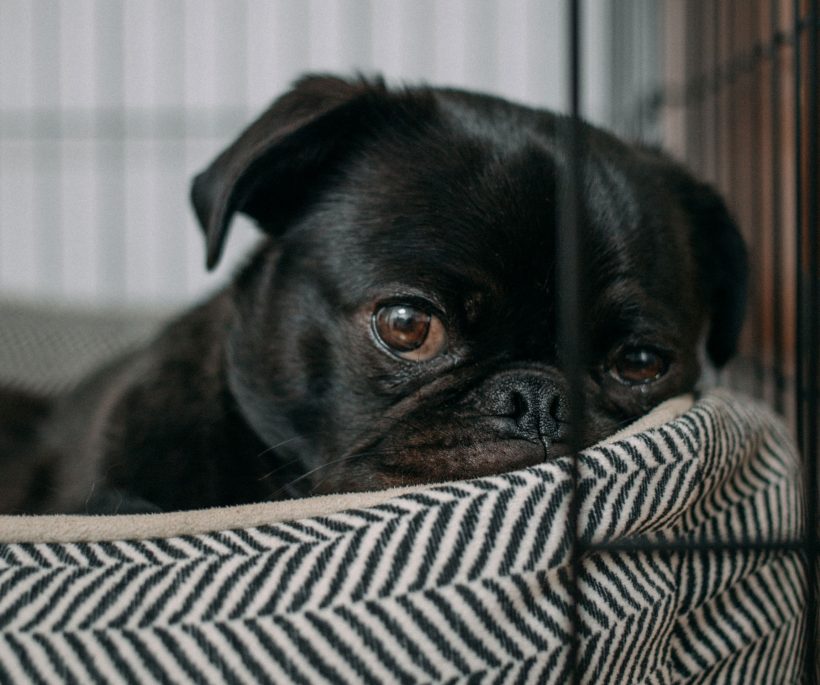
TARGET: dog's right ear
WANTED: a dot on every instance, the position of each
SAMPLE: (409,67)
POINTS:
(281,161)
(723,264)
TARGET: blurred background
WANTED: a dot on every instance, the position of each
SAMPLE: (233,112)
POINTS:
(108,107)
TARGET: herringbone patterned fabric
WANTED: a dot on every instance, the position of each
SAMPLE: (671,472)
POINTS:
(471,581)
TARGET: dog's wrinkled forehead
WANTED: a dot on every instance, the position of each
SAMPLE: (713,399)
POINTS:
(468,210)
(458,206)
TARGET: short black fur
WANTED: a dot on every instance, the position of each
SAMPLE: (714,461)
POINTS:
(441,203)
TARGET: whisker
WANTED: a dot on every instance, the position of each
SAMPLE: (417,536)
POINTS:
(278,445)
(333,462)
(279,468)
(309,473)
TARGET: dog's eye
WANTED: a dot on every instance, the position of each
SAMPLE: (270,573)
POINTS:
(409,332)
(637,365)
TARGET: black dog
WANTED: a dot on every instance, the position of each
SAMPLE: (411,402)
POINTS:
(398,324)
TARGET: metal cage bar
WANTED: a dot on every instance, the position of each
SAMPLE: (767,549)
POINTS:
(569,245)
(776,243)
(808,311)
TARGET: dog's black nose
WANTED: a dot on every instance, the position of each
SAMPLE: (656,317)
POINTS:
(526,405)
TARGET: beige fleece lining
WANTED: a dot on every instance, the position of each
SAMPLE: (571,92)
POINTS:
(77,528)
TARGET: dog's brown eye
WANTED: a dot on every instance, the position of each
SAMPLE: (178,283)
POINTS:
(637,365)
(409,332)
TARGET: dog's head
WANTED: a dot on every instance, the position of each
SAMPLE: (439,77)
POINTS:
(399,323)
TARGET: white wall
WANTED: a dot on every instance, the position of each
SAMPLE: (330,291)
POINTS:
(108,107)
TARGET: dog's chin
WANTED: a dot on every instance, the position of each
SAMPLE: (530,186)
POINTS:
(388,464)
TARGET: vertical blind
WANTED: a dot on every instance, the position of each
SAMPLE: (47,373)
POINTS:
(108,107)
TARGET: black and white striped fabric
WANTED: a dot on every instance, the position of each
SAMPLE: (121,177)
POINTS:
(468,581)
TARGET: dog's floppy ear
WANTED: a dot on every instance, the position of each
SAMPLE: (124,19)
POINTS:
(722,264)
(279,162)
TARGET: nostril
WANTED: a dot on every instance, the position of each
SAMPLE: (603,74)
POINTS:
(518,406)
(556,408)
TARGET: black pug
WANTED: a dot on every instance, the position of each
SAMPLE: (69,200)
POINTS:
(398,323)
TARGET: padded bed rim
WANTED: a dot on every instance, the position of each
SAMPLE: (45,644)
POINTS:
(82,528)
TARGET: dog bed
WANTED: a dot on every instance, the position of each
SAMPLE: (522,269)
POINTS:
(464,581)
(468,581)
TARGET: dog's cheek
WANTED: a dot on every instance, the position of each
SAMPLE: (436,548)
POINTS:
(334,393)
(335,402)
(317,364)
(302,390)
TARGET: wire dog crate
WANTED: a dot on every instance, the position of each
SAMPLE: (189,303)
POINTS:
(729,86)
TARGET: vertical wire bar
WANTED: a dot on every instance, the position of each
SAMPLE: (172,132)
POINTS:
(798,219)
(801,352)
(726,85)
(685,77)
(808,333)
(754,189)
(569,310)
(649,118)
(776,208)
(708,142)
(756,83)
(714,86)
(694,93)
